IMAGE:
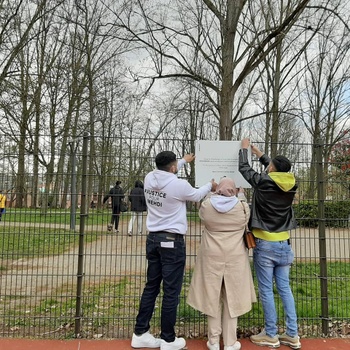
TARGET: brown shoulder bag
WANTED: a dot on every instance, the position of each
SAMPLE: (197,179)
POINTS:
(249,239)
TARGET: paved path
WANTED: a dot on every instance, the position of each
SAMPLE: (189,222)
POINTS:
(119,255)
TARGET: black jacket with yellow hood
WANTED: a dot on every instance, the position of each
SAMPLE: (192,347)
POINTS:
(273,196)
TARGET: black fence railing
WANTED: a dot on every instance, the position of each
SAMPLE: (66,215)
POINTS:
(63,274)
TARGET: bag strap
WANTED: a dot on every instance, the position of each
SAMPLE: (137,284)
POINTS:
(245,213)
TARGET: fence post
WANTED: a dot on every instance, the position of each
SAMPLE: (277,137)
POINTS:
(83,215)
(322,236)
(73,195)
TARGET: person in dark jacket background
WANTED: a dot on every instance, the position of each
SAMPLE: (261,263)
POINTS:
(138,206)
(116,193)
(271,219)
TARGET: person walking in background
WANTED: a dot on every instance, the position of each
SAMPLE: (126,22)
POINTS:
(116,194)
(222,283)
(166,197)
(2,204)
(271,219)
(138,206)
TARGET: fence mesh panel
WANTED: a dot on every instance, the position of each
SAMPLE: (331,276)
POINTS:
(43,225)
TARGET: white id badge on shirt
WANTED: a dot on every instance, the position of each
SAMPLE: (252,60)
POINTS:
(167,244)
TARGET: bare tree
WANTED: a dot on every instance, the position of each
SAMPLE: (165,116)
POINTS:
(12,11)
(209,42)
(276,81)
(323,88)
(21,84)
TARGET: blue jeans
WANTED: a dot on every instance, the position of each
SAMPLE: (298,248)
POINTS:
(166,255)
(272,260)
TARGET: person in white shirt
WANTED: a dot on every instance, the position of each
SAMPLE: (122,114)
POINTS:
(166,196)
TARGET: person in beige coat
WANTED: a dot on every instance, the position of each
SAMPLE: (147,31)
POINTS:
(222,284)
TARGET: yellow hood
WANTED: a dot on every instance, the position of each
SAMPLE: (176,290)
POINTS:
(285,181)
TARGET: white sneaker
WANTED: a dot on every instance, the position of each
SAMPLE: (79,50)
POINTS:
(235,346)
(293,342)
(130,233)
(215,346)
(177,344)
(145,340)
(262,339)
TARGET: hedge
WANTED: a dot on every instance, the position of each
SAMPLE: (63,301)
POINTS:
(337,213)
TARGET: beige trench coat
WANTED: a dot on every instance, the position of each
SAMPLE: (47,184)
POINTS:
(222,258)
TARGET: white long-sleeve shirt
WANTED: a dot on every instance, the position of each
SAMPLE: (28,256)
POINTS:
(166,197)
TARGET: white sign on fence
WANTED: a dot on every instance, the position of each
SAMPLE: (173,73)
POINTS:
(216,159)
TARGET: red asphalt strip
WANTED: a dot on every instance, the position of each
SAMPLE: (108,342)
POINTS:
(113,344)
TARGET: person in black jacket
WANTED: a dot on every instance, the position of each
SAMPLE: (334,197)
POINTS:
(138,206)
(116,193)
(271,219)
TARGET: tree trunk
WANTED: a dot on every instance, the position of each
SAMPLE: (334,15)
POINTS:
(226,96)
(275,105)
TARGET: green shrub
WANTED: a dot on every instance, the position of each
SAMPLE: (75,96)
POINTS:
(306,213)
(336,213)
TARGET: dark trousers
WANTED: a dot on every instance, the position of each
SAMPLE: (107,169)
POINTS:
(166,255)
(115,217)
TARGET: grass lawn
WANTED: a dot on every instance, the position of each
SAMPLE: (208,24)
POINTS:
(54,216)
(63,216)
